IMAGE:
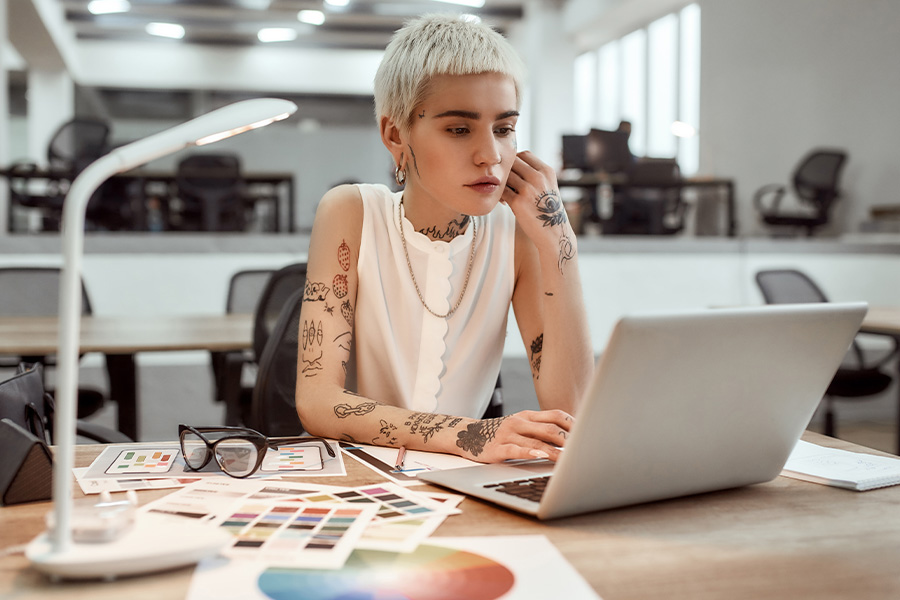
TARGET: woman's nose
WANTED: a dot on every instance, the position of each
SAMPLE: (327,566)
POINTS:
(488,152)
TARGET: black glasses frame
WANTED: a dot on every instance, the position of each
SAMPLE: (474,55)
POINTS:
(259,440)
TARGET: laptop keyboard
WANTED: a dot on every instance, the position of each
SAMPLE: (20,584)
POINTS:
(528,489)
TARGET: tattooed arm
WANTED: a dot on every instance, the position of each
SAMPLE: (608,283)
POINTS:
(548,300)
(325,335)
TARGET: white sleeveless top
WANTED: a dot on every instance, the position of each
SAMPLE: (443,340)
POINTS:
(406,356)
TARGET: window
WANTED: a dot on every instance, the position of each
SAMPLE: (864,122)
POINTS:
(650,77)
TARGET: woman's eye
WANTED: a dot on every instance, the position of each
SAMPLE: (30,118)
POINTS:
(504,131)
(458,130)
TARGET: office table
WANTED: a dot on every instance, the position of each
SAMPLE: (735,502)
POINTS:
(885,320)
(595,180)
(159,183)
(783,539)
(120,338)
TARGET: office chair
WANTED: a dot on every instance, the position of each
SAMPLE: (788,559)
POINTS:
(76,144)
(273,410)
(650,202)
(210,190)
(34,292)
(856,378)
(244,291)
(815,184)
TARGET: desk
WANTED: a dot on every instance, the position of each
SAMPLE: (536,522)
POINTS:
(120,338)
(883,320)
(783,539)
(595,180)
(159,183)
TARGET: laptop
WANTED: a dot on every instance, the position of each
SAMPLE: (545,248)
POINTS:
(680,404)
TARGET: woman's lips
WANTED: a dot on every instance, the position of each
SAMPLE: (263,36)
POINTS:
(486,185)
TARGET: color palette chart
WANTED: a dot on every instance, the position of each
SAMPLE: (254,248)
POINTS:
(292,458)
(151,460)
(430,572)
(394,502)
(296,535)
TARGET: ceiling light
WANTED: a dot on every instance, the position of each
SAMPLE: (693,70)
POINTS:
(313,17)
(474,3)
(277,34)
(103,7)
(169,30)
(340,3)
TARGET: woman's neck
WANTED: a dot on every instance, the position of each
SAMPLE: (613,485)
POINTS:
(439,225)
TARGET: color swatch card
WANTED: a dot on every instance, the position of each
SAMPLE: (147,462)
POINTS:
(151,461)
(293,458)
(405,535)
(212,498)
(383,460)
(394,502)
(95,486)
(285,534)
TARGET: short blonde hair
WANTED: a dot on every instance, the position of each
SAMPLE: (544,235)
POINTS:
(438,45)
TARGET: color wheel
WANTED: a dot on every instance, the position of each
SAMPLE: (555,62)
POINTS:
(429,573)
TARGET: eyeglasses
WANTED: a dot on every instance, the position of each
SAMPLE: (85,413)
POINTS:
(239,451)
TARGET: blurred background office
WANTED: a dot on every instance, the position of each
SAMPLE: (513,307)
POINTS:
(759,135)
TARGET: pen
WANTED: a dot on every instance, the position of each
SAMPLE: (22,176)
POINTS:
(401,455)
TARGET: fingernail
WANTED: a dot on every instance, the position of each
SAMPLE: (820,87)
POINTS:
(538,454)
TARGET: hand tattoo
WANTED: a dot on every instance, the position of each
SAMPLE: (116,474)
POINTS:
(477,434)
(551,209)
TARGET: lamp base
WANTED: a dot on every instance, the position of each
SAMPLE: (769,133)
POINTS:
(154,543)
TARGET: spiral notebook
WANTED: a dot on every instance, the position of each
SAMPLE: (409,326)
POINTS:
(841,468)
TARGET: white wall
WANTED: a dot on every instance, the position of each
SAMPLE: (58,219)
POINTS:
(780,77)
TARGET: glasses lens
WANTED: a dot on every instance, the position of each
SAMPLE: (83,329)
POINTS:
(236,457)
(194,449)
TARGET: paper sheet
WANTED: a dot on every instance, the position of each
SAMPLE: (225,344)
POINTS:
(163,459)
(474,568)
(383,461)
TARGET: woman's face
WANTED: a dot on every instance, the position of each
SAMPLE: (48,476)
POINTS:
(461,144)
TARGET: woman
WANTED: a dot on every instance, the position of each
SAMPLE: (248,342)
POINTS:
(407,296)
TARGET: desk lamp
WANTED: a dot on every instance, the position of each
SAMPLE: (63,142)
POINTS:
(154,542)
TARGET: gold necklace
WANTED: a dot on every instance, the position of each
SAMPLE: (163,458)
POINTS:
(413,275)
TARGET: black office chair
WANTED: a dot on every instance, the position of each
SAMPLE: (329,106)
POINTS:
(210,191)
(244,291)
(650,202)
(815,185)
(76,144)
(34,292)
(856,377)
(273,410)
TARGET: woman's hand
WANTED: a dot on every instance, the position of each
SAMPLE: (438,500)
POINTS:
(526,434)
(533,195)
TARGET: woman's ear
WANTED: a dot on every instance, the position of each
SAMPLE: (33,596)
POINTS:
(390,137)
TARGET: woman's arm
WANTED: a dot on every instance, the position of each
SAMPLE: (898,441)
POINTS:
(548,300)
(327,409)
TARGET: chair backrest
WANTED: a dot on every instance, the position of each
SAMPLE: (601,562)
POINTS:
(608,151)
(211,186)
(273,410)
(788,286)
(816,177)
(77,143)
(34,292)
(281,285)
(245,289)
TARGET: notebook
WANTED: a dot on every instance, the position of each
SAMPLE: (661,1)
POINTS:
(842,468)
(679,404)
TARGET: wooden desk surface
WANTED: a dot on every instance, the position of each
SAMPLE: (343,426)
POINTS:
(882,319)
(127,335)
(782,539)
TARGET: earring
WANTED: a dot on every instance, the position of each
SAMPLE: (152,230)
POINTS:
(399,175)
